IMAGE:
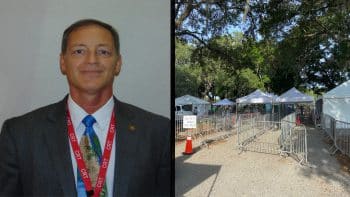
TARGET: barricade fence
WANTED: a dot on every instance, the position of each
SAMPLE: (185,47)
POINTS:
(262,133)
(252,125)
(293,139)
(327,125)
(339,132)
(255,132)
(208,127)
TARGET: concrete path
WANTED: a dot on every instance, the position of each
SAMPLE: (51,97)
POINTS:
(222,170)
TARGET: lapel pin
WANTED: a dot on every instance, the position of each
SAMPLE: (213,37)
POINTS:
(131,128)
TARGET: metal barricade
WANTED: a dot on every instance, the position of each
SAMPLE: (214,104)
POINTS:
(293,140)
(252,125)
(180,132)
(259,134)
(339,132)
(327,123)
(208,127)
(342,136)
(299,143)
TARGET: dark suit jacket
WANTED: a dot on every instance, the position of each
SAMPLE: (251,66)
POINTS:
(35,156)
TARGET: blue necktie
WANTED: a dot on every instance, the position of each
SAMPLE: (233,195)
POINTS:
(92,154)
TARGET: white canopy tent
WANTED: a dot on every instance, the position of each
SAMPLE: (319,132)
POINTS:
(294,96)
(201,106)
(223,106)
(256,97)
(224,102)
(336,102)
(274,96)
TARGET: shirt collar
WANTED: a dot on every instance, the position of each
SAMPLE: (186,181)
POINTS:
(102,115)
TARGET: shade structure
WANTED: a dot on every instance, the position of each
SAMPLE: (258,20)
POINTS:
(224,102)
(294,96)
(189,100)
(336,102)
(256,97)
(274,96)
(199,106)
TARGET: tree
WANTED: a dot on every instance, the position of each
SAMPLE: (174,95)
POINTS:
(199,20)
(186,75)
(247,81)
(218,76)
(186,81)
(284,43)
(224,84)
(313,41)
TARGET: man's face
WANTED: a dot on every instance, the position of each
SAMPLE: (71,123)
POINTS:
(90,61)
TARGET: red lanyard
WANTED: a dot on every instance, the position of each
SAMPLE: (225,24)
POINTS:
(79,157)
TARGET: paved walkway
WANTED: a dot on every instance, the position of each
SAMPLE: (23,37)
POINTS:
(222,170)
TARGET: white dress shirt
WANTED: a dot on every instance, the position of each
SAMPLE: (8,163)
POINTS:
(103,117)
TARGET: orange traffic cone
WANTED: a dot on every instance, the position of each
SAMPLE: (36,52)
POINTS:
(188,148)
(297,121)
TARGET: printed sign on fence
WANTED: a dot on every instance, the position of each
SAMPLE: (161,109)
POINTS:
(189,122)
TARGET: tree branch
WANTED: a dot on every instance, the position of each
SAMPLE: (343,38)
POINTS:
(187,11)
(192,34)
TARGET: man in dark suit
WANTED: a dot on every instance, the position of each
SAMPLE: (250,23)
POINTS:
(39,151)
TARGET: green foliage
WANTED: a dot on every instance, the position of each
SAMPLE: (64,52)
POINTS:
(224,84)
(282,44)
(199,20)
(186,81)
(213,74)
(248,81)
(187,77)
(313,41)
(183,53)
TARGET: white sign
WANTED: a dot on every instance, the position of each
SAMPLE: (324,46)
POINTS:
(189,122)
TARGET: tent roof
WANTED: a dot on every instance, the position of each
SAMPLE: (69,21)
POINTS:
(294,96)
(336,102)
(189,100)
(274,96)
(341,91)
(256,97)
(224,102)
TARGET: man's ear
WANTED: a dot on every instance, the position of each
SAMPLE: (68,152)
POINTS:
(118,65)
(62,65)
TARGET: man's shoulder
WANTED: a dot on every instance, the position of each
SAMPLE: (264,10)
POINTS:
(148,125)
(139,113)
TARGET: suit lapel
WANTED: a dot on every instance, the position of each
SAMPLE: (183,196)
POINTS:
(58,146)
(125,142)
(126,146)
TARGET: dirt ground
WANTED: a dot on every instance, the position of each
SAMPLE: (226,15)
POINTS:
(222,170)
(344,160)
